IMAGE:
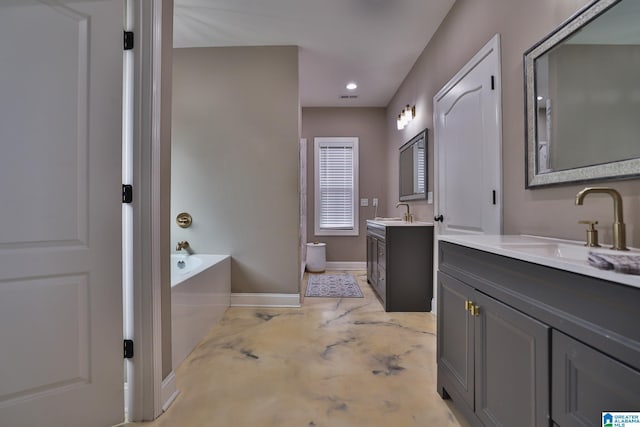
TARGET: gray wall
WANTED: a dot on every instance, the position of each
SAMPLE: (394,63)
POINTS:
(521,23)
(368,124)
(235,160)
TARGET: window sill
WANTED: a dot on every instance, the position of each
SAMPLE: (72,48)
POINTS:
(336,232)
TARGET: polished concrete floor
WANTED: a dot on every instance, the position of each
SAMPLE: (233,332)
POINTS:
(332,363)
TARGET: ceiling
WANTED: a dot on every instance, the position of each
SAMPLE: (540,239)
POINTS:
(372,42)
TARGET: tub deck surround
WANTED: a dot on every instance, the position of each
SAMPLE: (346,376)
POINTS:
(200,294)
(562,254)
(332,362)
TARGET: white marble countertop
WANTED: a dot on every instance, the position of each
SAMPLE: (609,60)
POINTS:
(566,255)
(399,223)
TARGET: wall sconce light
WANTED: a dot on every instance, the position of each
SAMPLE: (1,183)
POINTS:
(408,113)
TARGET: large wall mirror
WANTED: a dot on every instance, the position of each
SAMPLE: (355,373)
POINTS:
(583,97)
(413,168)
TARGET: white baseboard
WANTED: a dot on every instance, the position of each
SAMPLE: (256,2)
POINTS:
(169,391)
(346,265)
(265,300)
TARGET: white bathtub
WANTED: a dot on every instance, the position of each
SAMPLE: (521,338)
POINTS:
(200,293)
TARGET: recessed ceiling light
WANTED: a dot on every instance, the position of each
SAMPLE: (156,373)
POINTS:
(540,98)
(352,86)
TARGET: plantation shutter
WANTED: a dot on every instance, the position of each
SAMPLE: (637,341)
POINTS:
(336,181)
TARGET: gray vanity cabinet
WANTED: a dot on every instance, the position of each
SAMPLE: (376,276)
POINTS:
(492,357)
(522,344)
(400,265)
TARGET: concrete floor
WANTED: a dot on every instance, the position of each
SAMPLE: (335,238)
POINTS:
(332,363)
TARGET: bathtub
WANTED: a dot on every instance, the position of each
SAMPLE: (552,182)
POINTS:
(200,294)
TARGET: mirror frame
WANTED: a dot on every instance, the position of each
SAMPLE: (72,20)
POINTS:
(625,169)
(423,135)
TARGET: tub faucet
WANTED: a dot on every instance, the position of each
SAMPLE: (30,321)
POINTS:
(183,244)
(619,236)
(407,216)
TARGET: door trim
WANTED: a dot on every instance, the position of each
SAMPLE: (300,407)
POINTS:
(148,210)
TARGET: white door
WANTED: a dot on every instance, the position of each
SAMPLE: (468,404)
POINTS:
(60,213)
(468,129)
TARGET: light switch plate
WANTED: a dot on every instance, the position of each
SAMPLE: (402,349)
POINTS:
(430,197)
(364,202)
(375,201)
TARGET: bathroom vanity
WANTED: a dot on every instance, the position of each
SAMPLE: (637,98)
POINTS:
(530,335)
(400,264)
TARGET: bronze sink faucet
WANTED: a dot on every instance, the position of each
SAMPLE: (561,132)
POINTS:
(407,216)
(619,233)
(183,245)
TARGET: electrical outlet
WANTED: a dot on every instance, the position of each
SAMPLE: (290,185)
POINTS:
(375,201)
(364,202)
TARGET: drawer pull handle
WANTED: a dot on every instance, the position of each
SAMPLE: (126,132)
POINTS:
(475,310)
(468,305)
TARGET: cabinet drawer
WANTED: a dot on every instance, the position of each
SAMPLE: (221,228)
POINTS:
(586,382)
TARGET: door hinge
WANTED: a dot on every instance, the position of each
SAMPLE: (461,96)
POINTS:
(127,193)
(493,82)
(128,40)
(128,349)
(494,197)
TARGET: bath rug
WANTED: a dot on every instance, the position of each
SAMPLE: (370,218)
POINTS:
(332,286)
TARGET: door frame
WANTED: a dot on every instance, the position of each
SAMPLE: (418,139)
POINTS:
(152,24)
(491,46)
(303,205)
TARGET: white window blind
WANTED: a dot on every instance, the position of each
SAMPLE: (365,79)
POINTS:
(336,186)
(419,159)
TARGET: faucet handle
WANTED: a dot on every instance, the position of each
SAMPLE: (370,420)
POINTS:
(591,224)
(592,233)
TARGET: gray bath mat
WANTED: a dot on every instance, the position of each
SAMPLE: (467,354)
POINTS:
(332,286)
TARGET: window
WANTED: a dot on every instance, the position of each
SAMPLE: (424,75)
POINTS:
(336,186)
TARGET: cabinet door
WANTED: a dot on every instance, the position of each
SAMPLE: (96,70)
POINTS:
(512,366)
(586,383)
(382,286)
(455,337)
(372,248)
(382,254)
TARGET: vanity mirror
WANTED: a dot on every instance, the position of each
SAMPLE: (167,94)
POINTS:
(413,168)
(583,98)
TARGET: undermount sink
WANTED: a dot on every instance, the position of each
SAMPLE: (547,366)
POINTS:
(562,250)
(557,250)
